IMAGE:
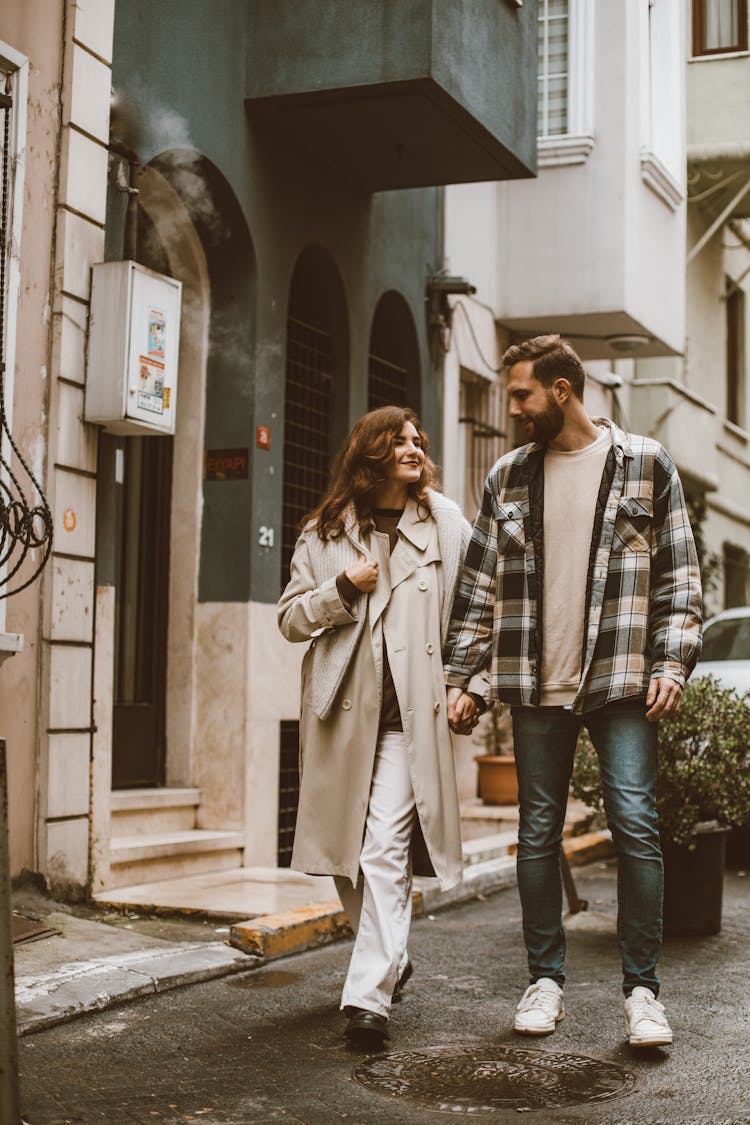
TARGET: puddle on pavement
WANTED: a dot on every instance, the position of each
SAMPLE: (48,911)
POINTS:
(273,978)
(477,1081)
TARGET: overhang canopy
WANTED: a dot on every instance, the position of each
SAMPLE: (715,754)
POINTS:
(399,93)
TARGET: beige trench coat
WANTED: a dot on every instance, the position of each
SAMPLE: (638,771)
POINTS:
(409,610)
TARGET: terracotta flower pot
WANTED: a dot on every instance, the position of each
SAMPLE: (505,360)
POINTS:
(498,784)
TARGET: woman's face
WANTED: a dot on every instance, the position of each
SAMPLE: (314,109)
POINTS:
(408,455)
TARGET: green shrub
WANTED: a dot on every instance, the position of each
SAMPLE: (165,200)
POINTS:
(704,763)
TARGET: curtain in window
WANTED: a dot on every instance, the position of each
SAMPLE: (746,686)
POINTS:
(722,20)
(553,68)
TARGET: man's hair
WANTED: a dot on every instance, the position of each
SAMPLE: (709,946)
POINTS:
(552,358)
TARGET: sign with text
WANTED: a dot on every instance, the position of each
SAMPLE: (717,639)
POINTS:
(227,464)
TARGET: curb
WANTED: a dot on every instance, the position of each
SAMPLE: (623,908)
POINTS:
(281,935)
(95,985)
(88,986)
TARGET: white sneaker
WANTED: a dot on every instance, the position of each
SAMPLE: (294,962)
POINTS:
(540,1008)
(645,1022)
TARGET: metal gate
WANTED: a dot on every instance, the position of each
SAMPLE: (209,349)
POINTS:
(288,790)
(386,383)
(307,428)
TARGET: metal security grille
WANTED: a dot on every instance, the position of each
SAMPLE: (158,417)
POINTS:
(386,383)
(307,428)
(25,517)
(288,790)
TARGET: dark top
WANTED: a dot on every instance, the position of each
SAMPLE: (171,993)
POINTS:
(386,520)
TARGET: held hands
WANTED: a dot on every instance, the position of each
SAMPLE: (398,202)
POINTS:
(364,574)
(463,711)
(664,699)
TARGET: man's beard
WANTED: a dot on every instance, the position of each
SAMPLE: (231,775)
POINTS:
(548,424)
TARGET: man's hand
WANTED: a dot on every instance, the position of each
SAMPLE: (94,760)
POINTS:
(664,699)
(463,711)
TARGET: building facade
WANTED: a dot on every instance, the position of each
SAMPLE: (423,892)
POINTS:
(633,243)
(283,167)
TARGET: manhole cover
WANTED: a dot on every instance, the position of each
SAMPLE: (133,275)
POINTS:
(477,1080)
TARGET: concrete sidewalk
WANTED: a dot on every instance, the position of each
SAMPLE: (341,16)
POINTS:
(102,959)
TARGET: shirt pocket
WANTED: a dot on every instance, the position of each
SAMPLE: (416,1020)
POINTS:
(511,538)
(633,524)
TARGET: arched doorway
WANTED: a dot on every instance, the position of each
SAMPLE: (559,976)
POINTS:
(316,394)
(393,370)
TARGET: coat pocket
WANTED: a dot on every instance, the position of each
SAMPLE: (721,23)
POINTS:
(511,538)
(633,524)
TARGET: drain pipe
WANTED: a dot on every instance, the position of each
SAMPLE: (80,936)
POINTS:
(130,240)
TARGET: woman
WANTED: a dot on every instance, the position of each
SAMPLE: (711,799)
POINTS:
(372,582)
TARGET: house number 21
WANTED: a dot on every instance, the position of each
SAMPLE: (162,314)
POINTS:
(265,536)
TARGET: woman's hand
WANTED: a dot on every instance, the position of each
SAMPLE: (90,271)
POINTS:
(364,574)
(463,711)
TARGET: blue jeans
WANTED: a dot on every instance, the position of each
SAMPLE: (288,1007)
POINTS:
(545,740)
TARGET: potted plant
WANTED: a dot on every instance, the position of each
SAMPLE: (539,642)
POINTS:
(497,783)
(703,790)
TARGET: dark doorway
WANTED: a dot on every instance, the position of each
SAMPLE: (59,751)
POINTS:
(144,465)
(143,490)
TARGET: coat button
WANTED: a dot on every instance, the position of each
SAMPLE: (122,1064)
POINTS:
(346,705)
(436,708)
(429,648)
(421,585)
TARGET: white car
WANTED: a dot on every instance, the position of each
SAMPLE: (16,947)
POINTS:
(726,649)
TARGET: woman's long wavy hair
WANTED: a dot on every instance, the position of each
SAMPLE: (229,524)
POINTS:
(362,466)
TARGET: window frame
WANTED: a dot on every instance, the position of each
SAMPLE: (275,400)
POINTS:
(735,320)
(699,50)
(575,145)
(15,67)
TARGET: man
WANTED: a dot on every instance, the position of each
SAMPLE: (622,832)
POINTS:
(581,587)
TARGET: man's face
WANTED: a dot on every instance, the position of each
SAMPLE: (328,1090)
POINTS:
(534,405)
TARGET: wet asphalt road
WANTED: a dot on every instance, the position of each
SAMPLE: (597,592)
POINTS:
(266,1046)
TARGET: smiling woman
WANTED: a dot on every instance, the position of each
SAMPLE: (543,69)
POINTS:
(372,581)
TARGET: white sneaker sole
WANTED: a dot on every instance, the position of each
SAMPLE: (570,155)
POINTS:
(547,1029)
(650,1040)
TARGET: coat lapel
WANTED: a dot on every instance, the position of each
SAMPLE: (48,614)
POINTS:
(417,544)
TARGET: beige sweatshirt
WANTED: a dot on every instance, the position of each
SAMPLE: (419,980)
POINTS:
(571,486)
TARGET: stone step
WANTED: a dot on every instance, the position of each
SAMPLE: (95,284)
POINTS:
(490,847)
(142,858)
(150,811)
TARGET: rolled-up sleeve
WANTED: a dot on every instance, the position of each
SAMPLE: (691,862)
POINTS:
(306,609)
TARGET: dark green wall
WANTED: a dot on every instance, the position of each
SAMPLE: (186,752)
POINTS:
(179,73)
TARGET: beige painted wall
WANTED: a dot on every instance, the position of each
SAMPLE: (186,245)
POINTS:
(34,28)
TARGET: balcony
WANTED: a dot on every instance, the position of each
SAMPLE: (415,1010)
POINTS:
(683,422)
(399,93)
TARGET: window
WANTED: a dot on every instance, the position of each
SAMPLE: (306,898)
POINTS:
(483,421)
(728,639)
(736,573)
(719,26)
(553,68)
(735,355)
(662,147)
(14,71)
(565,52)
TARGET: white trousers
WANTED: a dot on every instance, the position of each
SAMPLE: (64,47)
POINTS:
(379,907)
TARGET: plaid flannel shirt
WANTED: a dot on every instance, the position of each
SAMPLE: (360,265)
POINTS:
(643,594)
